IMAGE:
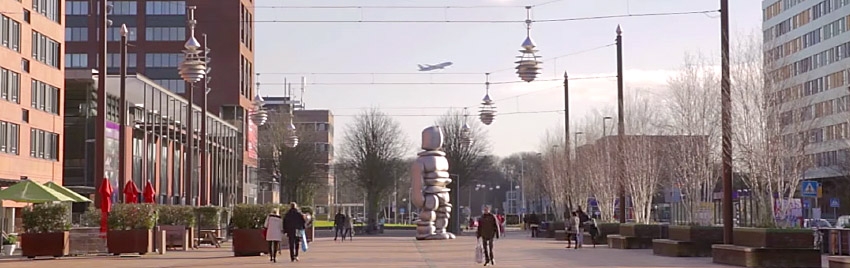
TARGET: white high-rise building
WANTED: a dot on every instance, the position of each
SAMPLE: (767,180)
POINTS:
(807,55)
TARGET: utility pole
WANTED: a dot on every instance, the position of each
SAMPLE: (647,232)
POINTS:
(568,171)
(621,128)
(100,119)
(726,121)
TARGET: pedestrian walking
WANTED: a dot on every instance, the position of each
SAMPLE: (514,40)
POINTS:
(273,226)
(293,223)
(534,223)
(348,228)
(339,225)
(579,230)
(488,229)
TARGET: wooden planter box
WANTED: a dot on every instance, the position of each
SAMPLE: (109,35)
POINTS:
(129,241)
(760,247)
(642,230)
(45,244)
(688,241)
(249,242)
(550,231)
(176,236)
(773,238)
(310,231)
(839,241)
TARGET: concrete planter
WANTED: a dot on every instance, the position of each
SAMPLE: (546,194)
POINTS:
(760,247)
(773,238)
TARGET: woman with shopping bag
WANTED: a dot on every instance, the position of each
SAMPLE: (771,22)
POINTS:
(272,228)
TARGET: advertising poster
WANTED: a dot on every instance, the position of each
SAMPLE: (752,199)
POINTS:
(252,140)
(110,167)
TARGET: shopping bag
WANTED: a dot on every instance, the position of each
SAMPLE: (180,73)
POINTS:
(265,233)
(479,253)
(304,245)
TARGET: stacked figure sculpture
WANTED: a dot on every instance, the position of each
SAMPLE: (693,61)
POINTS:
(429,178)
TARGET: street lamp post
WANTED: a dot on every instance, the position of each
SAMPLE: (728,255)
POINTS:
(726,122)
(456,228)
(567,159)
(621,128)
(122,108)
(100,117)
(205,195)
(192,69)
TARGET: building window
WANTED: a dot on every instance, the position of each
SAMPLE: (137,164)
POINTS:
(173,85)
(45,50)
(163,60)
(165,8)
(123,7)
(48,8)
(163,167)
(114,60)
(10,30)
(77,60)
(76,34)
(114,34)
(44,97)
(44,144)
(137,159)
(10,85)
(165,33)
(9,137)
(76,7)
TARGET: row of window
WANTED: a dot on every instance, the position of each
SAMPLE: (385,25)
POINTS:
(174,85)
(10,31)
(826,32)
(817,110)
(152,60)
(48,8)
(45,49)
(10,85)
(9,137)
(45,97)
(128,7)
(814,86)
(245,77)
(815,12)
(824,58)
(44,144)
(81,34)
(246,28)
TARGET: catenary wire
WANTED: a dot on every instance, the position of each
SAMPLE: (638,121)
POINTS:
(430,83)
(475,21)
(407,7)
(434,115)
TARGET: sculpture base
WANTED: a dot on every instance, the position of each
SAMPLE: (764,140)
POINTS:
(441,236)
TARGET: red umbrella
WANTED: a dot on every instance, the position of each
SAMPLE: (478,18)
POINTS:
(105,203)
(131,193)
(150,193)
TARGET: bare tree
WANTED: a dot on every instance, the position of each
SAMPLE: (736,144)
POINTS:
(770,145)
(693,110)
(371,150)
(556,183)
(297,168)
(642,169)
(467,161)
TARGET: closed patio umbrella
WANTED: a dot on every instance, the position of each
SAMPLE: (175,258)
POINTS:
(105,203)
(131,193)
(149,192)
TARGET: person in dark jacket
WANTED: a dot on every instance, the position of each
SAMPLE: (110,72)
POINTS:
(339,225)
(534,223)
(488,228)
(292,223)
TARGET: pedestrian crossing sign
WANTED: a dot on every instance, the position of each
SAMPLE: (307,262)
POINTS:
(809,189)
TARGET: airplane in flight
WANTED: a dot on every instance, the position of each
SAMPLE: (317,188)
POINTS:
(428,67)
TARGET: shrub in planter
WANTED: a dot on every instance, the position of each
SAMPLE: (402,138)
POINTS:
(209,217)
(46,230)
(248,222)
(9,244)
(90,218)
(131,228)
(176,215)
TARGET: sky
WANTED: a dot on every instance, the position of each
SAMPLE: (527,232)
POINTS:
(653,49)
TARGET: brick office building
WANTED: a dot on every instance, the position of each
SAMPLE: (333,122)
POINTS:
(31,90)
(157,35)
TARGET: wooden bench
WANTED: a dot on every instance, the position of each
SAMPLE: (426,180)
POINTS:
(766,257)
(629,242)
(209,237)
(839,262)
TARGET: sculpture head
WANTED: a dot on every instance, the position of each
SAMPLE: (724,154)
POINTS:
(432,138)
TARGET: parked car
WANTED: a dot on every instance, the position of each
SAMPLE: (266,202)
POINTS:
(843,222)
(816,224)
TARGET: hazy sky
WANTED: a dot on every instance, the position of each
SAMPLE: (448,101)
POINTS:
(653,48)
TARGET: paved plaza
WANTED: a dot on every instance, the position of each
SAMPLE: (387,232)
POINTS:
(390,250)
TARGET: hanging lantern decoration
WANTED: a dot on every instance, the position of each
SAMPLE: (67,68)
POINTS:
(466,131)
(291,139)
(259,115)
(528,65)
(488,110)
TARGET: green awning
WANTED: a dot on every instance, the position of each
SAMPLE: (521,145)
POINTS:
(67,192)
(28,191)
